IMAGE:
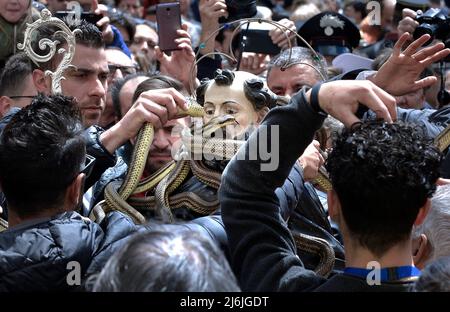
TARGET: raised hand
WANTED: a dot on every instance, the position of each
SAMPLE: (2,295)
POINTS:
(400,74)
(283,37)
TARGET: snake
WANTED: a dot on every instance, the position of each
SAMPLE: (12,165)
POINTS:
(171,176)
(319,247)
(3,225)
(208,143)
(443,139)
(142,146)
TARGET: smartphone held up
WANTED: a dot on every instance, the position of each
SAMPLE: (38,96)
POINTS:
(168,19)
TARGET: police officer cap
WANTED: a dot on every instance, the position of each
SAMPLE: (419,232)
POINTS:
(330,33)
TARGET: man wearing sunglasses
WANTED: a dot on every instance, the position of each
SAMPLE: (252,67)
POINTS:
(120,66)
(43,164)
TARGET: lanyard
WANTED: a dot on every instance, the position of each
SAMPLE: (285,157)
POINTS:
(387,274)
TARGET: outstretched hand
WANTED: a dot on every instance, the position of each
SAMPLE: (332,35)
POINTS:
(400,74)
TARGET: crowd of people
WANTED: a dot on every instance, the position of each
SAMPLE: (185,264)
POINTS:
(323,166)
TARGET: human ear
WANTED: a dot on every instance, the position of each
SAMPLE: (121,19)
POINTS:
(40,81)
(5,105)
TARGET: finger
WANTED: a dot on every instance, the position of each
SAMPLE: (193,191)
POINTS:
(347,118)
(157,108)
(104,21)
(244,61)
(183,27)
(147,113)
(321,160)
(436,57)
(389,101)
(424,83)
(179,99)
(284,43)
(160,55)
(183,40)
(412,48)
(374,103)
(183,34)
(442,181)
(277,36)
(399,44)
(219,6)
(429,51)
(164,99)
(186,48)
(274,32)
(94,5)
(408,13)
(250,61)
(407,29)
(316,144)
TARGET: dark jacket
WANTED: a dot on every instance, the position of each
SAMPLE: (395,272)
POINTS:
(103,159)
(34,255)
(263,252)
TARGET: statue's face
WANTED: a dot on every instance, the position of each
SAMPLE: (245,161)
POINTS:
(231,100)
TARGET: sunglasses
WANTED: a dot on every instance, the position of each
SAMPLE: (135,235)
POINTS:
(88,165)
(127,70)
(22,96)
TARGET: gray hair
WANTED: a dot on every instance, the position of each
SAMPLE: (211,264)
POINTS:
(300,55)
(437,224)
(435,277)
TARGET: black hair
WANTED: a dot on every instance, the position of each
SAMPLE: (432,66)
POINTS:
(358,6)
(115,89)
(382,174)
(89,36)
(435,277)
(125,20)
(41,152)
(157,82)
(13,78)
(166,260)
(254,89)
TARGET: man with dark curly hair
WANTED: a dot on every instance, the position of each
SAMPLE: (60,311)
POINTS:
(383,177)
(383,174)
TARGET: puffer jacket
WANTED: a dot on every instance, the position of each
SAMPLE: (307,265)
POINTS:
(34,255)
